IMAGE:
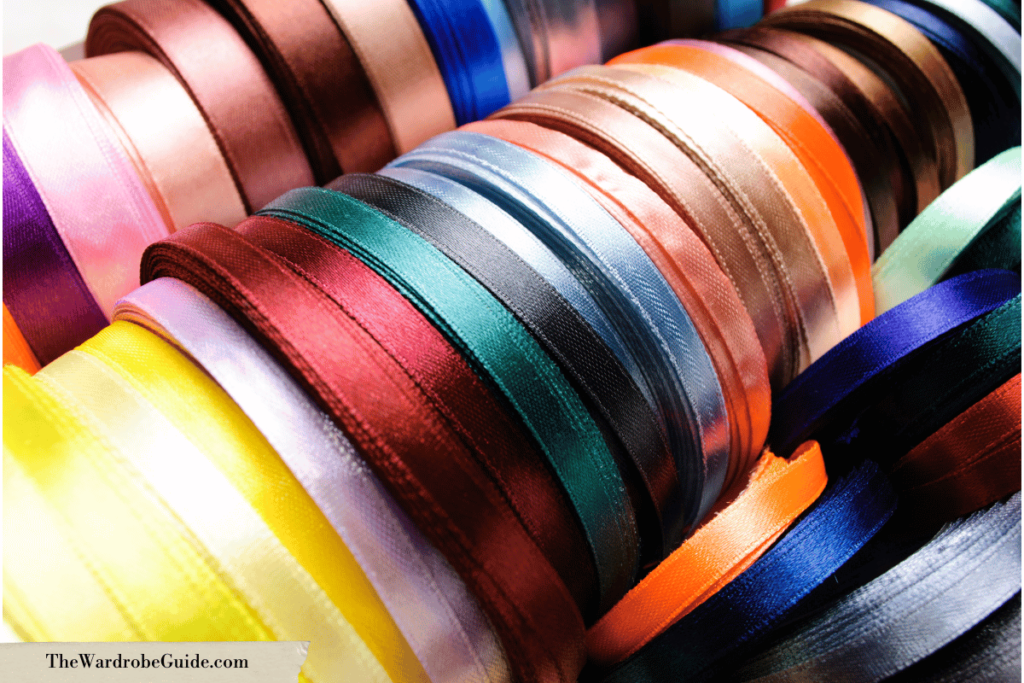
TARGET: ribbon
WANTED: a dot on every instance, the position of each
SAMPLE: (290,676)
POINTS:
(589,365)
(16,349)
(468,54)
(966,572)
(910,61)
(723,548)
(517,73)
(971,462)
(154,119)
(737,13)
(40,280)
(423,463)
(438,617)
(655,324)
(848,514)
(829,390)
(1008,10)
(687,265)
(237,99)
(74,161)
(230,491)
(558,35)
(932,243)
(997,248)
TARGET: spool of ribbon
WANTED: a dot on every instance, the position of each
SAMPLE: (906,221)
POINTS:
(932,243)
(237,99)
(777,493)
(16,349)
(1008,10)
(438,617)
(558,35)
(424,465)
(154,120)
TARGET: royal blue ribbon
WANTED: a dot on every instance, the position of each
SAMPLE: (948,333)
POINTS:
(468,53)
(737,13)
(827,389)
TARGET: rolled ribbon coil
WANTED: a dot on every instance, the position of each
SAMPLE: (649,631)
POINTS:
(557,35)
(16,349)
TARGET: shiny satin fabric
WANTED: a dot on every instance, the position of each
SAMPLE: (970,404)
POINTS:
(450,498)
(689,268)
(155,120)
(237,99)
(966,572)
(557,35)
(971,462)
(909,60)
(310,61)
(584,235)
(828,391)
(616,404)
(74,162)
(517,73)
(299,582)
(930,245)
(777,492)
(520,240)
(16,349)
(821,154)
(654,159)
(40,280)
(438,617)
(998,247)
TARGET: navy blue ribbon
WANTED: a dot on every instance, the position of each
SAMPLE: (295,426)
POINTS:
(468,54)
(825,393)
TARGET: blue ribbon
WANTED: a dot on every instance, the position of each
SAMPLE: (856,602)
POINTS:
(468,53)
(737,13)
(825,392)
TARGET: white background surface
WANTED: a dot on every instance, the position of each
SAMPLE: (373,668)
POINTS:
(57,22)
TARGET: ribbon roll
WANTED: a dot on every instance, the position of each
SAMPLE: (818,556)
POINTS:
(910,61)
(821,155)
(617,23)
(994,102)
(830,388)
(40,279)
(971,462)
(931,244)
(517,73)
(1008,10)
(558,35)
(468,54)
(965,573)
(848,514)
(425,466)
(73,161)
(154,119)
(689,268)
(997,248)
(237,99)
(239,501)
(438,617)
(16,349)
(655,324)
(722,549)
(593,370)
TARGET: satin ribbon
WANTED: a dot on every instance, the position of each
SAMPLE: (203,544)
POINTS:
(931,244)
(744,612)
(994,102)
(437,616)
(16,349)
(617,22)
(558,35)
(737,13)
(777,493)
(590,366)
(520,240)
(310,61)
(998,247)
(651,157)
(655,324)
(154,119)
(74,162)
(1008,10)
(971,462)
(237,99)
(41,283)
(517,73)
(468,54)
(232,493)
(418,457)
(910,61)
(966,572)
(819,153)
(835,385)
(724,326)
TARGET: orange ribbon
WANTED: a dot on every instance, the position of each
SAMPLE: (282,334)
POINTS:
(16,349)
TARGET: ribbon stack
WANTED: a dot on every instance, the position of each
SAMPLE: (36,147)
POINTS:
(700,365)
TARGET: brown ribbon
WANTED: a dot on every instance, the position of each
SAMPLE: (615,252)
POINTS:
(226,81)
